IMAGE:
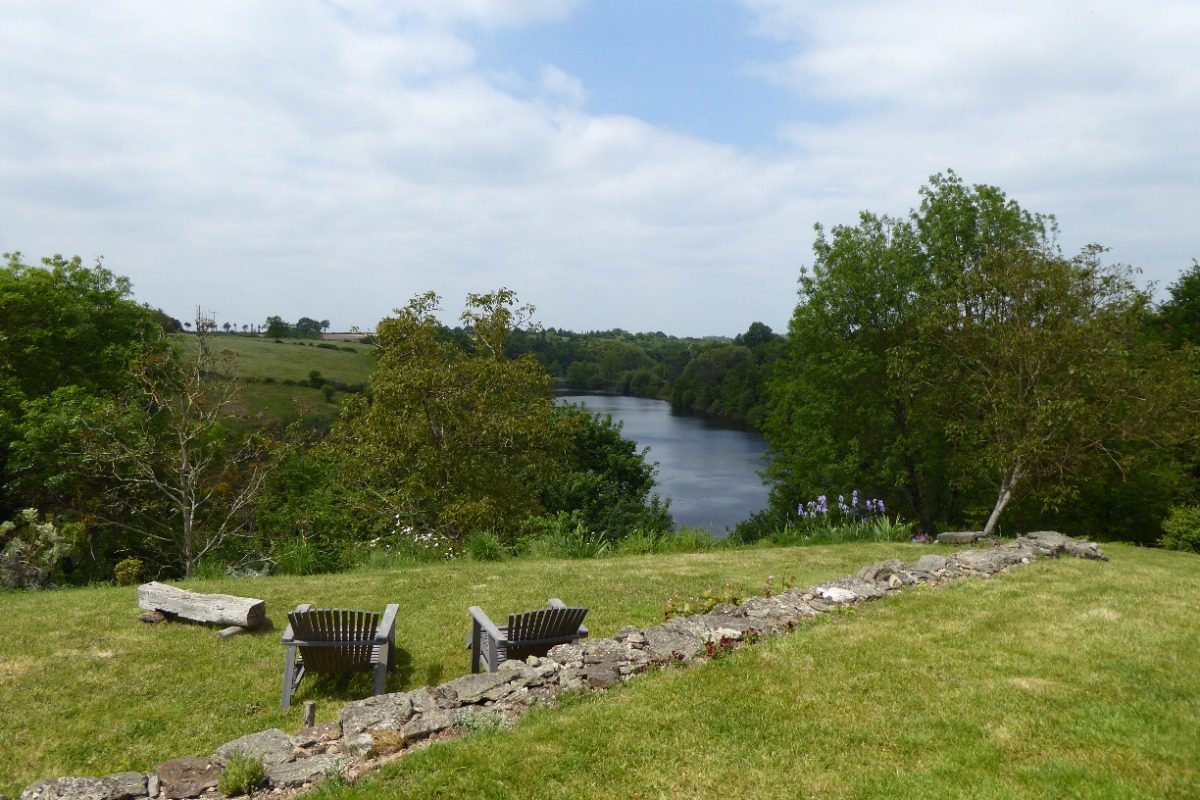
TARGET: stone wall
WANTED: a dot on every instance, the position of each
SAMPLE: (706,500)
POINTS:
(383,726)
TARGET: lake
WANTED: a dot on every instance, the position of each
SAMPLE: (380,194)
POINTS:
(709,471)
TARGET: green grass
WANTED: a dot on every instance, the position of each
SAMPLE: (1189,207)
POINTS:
(1061,679)
(87,689)
(264,364)
(260,358)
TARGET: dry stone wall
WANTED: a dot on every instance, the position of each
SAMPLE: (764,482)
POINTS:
(381,726)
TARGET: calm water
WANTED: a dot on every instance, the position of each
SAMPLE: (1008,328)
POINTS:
(709,472)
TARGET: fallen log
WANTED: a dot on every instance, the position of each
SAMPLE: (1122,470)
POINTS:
(219,609)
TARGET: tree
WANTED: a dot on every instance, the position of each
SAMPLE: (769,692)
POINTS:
(227,326)
(174,476)
(277,328)
(957,351)
(308,328)
(1179,316)
(452,439)
(62,326)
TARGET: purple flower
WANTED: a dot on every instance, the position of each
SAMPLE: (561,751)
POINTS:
(854,498)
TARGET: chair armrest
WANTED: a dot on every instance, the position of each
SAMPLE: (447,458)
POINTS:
(477,613)
(387,625)
(288,636)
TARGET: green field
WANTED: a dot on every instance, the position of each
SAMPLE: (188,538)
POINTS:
(271,370)
(1063,678)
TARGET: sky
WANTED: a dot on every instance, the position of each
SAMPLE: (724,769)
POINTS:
(652,165)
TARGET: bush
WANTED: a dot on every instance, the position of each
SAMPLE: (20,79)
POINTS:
(129,571)
(1182,529)
(485,546)
(242,775)
(31,552)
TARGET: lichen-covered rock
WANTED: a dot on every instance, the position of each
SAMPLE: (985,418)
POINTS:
(381,712)
(837,595)
(118,786)
(960,537)
(567,655)
(182,778)
(1057,543)
(879,573)
(302,771)
(471,688)
(270,747)
(989,562)
(429,723)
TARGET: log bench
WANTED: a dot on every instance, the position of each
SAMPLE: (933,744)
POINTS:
(237,614)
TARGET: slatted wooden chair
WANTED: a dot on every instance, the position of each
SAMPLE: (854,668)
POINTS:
(530,633)
(334,640)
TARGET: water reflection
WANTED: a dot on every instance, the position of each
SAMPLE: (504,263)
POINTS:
(710,472)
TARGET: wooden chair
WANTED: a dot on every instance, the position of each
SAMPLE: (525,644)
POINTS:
(530,633)
(335,640)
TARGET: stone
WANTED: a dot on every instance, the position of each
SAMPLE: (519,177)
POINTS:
(929,565)
(836,594)
(381,712)
(988,562)
(429,723)
(959,537)
(566,654)
(1060,543)
(664,641)
(879,573)
(302,771)
(181,778)
(270,747)
(310,736)
(472,688)
(118,786)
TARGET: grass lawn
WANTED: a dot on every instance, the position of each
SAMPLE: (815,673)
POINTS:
(1061,679)
(86,689)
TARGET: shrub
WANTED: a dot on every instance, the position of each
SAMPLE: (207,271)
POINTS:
(129,571)
(242,775)
(30,551)
(1182,529)
(329,393)
(485,546)
(303,555)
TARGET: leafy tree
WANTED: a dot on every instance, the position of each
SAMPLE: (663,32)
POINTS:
(62,326)
(609,487)
(168,472)
(308,328)
(957,350)
(453,439)
(277,328)
(1179,316)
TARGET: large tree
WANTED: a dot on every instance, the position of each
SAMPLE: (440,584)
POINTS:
(956,354)
(453,439)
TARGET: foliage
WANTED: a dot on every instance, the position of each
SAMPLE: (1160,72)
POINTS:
(485,546)
(129,571)
(608,485)
(452,440)
(1182,529)
(63,326)
(682,606)
(955,359)
(1178,317)
(556,539)
(173,475)
(30,551)
(242,775)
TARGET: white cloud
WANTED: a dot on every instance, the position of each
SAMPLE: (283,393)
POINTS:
(1087,110)
(332,159)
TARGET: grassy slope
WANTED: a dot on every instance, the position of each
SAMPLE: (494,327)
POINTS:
(1063,678)
(87,689)
(292,360)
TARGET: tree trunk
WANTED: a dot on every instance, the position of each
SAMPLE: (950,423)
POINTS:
(1006,494)
(221,609)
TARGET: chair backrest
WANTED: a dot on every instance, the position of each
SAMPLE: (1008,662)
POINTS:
(535,632)
(336,639)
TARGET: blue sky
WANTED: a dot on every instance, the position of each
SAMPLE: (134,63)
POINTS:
(654,165)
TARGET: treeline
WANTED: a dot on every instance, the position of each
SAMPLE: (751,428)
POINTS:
(119,459)
(714,376)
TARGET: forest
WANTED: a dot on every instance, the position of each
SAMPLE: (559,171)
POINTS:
(951,364)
